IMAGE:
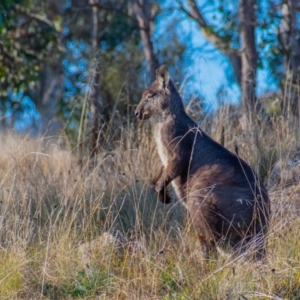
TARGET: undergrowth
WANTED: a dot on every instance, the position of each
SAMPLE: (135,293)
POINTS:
(72,229)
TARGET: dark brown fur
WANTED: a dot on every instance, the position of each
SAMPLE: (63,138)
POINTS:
(226,201)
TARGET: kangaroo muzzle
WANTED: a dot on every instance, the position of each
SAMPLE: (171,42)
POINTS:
(138,114)
(142,115)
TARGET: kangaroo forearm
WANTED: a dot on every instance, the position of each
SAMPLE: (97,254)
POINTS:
(169,173)
(160,183)
(162,191)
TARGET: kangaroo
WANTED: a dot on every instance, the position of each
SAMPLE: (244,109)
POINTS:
(227,203)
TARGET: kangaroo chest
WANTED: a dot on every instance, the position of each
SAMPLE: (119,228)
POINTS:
(163,154)
(161,149)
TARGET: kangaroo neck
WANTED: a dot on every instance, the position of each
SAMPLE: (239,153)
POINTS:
(174,115)
(179,117)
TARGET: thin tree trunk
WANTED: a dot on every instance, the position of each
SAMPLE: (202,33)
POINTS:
(289,38)
(95,96)
(248,54)
(49,89)
(141,10)
(49,92)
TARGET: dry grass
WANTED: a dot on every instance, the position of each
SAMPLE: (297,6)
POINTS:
(71,231)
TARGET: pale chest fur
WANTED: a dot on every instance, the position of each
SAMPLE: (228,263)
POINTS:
(163,154)
(161,149)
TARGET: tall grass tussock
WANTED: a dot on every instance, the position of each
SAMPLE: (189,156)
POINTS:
(71,230)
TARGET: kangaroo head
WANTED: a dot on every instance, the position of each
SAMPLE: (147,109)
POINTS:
(156,99)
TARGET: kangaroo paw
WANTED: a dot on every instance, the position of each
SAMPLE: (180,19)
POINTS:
(164,196)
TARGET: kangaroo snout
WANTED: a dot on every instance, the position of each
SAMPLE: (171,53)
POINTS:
(142,114)
(137,113)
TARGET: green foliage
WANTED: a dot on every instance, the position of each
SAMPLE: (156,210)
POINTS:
(28,41)
(93,283)
(87,284)
(226,23)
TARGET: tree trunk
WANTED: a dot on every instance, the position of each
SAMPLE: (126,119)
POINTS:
(141,9)
(49,90)
(289,38)
(95,93)
(248,54)
(47,98)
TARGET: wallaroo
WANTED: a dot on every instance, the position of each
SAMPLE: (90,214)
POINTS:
(228,204)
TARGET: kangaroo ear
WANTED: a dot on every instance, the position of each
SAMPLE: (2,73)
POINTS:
(162,76)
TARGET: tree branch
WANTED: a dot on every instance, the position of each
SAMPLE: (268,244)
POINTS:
(232,54)
(141,11)
(36,17)
(211,36)
(103,7)
(196,14)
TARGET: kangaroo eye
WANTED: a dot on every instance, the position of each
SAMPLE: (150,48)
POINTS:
(151,96)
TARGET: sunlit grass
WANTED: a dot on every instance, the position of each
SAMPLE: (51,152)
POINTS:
(69,230)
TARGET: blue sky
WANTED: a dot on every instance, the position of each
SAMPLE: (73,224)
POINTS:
(207,68)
